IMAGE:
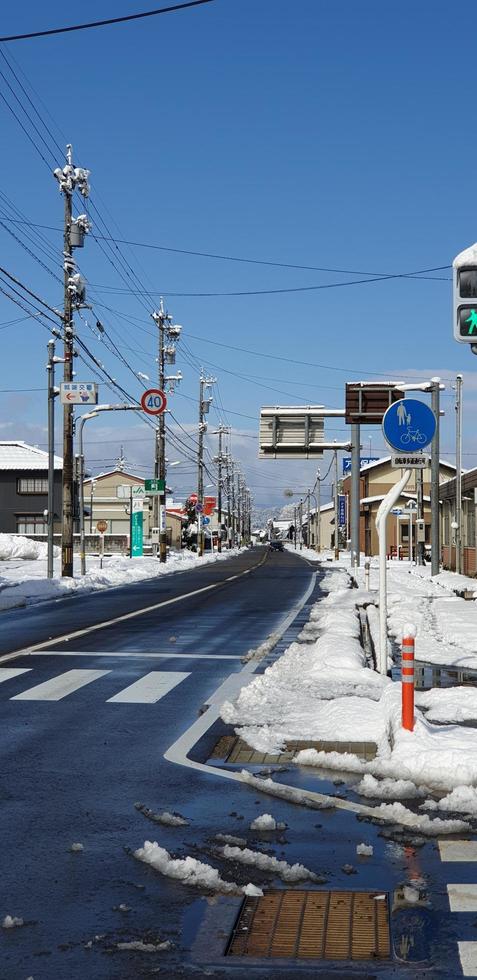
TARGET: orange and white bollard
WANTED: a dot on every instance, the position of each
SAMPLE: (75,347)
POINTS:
(407,679)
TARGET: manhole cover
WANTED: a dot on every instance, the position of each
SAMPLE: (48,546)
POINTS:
(323,925)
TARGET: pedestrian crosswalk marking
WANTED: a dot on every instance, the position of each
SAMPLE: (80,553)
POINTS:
(468,958)
(59,687)
(462,898)
(7,672)
(458,850)
(150,688)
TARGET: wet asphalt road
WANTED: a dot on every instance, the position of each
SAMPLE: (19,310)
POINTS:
(72,769)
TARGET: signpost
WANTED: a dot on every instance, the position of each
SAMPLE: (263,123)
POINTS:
(136,528)
(128,490)
(78,393)
(342,510)
(101,527)
(409,425)
(153,401)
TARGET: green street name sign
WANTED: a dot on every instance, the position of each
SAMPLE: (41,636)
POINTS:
(154,486)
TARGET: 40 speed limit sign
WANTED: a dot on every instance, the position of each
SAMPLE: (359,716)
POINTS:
(153,401)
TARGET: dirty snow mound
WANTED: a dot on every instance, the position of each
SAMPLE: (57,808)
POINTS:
(189,869)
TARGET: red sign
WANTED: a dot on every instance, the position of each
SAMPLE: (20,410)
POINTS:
(209,505)
(153,401)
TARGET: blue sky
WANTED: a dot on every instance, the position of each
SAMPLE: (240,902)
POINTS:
(309,133)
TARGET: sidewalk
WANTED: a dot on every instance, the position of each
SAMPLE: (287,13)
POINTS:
(322,688)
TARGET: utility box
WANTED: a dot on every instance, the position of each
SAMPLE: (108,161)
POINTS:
(421,531)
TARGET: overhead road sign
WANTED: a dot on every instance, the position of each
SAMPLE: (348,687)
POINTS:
(78,393)
(291,432)
(409,425)
(155,486)
(367,401)
(153,401)
(408,461)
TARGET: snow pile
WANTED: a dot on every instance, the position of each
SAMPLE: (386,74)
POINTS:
(76,848)
(138,946)
(364,850)
(315,689)
(16,546)
(189,870)
(166,818)
(12,922)
(388,789)
(283,792)
(266,822)
(457,704)
(29,584)
(230,839)
(462,799)
(433,828)
(285,871)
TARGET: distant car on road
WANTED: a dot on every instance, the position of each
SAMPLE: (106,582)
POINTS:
(277,546)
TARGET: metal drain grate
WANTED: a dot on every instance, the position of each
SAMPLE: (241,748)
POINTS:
(326,925)
(235,751)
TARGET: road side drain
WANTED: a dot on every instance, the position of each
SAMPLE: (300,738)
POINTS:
(322,925)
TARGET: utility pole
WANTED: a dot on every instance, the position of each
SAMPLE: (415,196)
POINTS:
(355,506)
(337,543)
(219,459)
(458,476)
(70,178)
(232,486)
(435,516)
(167,333)
(229,501)
(204,406)
(52,393)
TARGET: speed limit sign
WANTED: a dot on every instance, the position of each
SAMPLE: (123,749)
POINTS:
(153,401)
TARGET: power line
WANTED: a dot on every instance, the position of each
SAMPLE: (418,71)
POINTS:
(105,23)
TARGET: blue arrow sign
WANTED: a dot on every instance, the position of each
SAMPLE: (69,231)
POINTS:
(409,425)
(206,520)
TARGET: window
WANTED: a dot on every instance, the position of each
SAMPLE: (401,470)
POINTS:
(31,524)
(32,484)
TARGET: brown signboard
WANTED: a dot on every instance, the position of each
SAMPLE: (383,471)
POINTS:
(367,401)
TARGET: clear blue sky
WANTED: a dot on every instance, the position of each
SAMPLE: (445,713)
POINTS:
(305,132)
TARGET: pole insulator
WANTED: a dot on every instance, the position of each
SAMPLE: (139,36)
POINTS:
(407,682)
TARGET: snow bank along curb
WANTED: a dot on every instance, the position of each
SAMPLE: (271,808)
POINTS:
(322,687)
(25,584)
(190,871)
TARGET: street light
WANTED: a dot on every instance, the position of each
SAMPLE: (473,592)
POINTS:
(84,418)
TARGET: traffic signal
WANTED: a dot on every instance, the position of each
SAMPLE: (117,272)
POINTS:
(465,297)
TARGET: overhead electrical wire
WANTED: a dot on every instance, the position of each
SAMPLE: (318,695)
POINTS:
(105,23)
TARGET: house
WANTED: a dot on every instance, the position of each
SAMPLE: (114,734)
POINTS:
(376,479)
(102,503)
(449,516)
(24,489)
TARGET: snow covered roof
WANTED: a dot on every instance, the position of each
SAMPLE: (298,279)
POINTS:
(19,456)
(387,459)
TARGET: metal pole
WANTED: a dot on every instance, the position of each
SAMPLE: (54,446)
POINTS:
(67,505)
(308,518)
(318,515)
(294,526)
(355,494)
(50,368)
(159,500)
(229,503)
(200,468)
(420,514)
(219,489)
(458,478)
(81,491)
(337,546)
(435,529)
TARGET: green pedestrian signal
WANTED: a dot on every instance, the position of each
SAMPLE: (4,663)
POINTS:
(467,321)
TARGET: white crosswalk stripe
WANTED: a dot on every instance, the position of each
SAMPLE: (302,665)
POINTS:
(59,687)
(462,896)
(150,688)
(6,673)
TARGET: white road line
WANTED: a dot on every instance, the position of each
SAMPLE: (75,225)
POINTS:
(131,615)
(59,687)
(127,653)
(150,688)
(7,672)
(458,850)
(462,898)
(468,958)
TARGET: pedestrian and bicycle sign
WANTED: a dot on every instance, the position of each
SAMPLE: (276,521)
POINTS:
(153,401)
(409,425)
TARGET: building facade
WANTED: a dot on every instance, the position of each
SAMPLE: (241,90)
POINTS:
(24,489)
(449,516)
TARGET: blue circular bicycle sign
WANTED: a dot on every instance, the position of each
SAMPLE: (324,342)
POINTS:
(409,425)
